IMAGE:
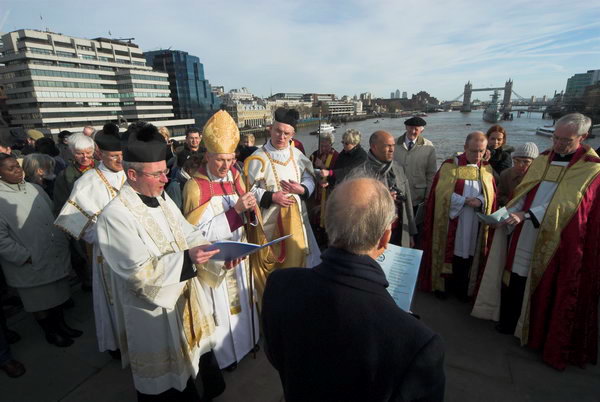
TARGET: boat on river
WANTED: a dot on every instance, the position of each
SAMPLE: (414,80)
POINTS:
(323,128)
(491,114)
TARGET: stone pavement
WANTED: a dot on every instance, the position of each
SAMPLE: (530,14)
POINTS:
(481,365)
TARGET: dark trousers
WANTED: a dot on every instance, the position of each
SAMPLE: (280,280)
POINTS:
(4,348)
(511,301)
(209,383)
(458,283)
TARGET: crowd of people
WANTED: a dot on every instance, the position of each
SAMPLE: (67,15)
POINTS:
(133,217)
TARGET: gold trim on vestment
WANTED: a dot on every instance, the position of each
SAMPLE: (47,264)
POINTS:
(565,202)
(448,174)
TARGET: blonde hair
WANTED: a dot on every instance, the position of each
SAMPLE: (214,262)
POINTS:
(164,132)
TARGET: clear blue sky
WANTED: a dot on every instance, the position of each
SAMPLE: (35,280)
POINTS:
(347,47)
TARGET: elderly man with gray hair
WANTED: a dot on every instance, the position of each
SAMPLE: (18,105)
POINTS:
(549,266)
(360,345)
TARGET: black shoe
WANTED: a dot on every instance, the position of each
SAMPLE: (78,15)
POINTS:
(504,330)
(13,368)
(86,287)
(69,303)
(55,338)
(256,348)
(231,367)
(115,354)
(440,295)
(12,336)
(67,331)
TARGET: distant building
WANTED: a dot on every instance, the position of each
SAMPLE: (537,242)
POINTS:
(55,82)
(577,83)
(286,96)
(218,90)
(249,114)
(392,95)
(404,95)
(191,91)
(316,98)
(397,93)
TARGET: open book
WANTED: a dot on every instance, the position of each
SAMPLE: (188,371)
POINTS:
(230,250)
(401,267)
(495,218)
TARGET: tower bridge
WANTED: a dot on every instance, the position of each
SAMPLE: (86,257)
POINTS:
(507,101)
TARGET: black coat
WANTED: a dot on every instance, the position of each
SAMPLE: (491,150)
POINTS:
(500,160)
(335,334)
(347,161)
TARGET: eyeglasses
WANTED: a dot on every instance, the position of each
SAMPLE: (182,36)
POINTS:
(114,157)
(566,141)
(156,175)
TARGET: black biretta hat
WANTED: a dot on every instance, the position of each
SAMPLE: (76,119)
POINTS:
(145,145)
(415,122)
(108,138)
(287,116)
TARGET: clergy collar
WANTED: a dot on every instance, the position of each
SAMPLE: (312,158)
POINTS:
(563,158)
(150,202)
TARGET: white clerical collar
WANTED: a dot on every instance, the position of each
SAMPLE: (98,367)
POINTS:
(212,177)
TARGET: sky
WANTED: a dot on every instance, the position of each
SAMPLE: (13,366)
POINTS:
(346,47)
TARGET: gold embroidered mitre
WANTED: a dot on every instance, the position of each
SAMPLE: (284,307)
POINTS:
(221,134)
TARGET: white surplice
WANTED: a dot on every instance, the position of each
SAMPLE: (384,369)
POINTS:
(233,331)
(468,224)
(528,236)
(90,194)
(164,323)
(291,165)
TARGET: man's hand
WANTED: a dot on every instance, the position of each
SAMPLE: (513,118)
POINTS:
(245,202)
(292,187)
(474,203)
(283,199)
(232,263)
(199,256)
(515,218)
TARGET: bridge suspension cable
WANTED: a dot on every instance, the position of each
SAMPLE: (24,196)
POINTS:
(518,96)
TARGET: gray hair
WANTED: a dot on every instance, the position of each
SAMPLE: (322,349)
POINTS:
(33,162)
(370,218)
(137,166)
(351,136)
(327,136)
(576,121)
(80,142)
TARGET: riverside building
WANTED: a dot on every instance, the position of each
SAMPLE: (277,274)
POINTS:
(55,82)
(191,92)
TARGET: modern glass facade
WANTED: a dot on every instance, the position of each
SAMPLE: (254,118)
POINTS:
(190,90)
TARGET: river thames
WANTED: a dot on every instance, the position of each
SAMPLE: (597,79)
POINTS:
(447,131)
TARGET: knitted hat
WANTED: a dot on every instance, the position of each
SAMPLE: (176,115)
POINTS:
(527,150)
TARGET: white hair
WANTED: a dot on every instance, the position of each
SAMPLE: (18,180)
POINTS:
(576,121)
(328,136)
(351,136)
(80,142)
(369,219)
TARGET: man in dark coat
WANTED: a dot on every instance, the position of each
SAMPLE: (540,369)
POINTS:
(333,332)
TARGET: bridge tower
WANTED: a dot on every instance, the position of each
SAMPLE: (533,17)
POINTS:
(466,107)
(506,106)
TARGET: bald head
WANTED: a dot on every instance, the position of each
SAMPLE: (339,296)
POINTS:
(369,202)
(475,146)
(382,145)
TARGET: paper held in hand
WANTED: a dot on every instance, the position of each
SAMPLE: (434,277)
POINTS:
(493,219)
(230,250)
(401,267)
